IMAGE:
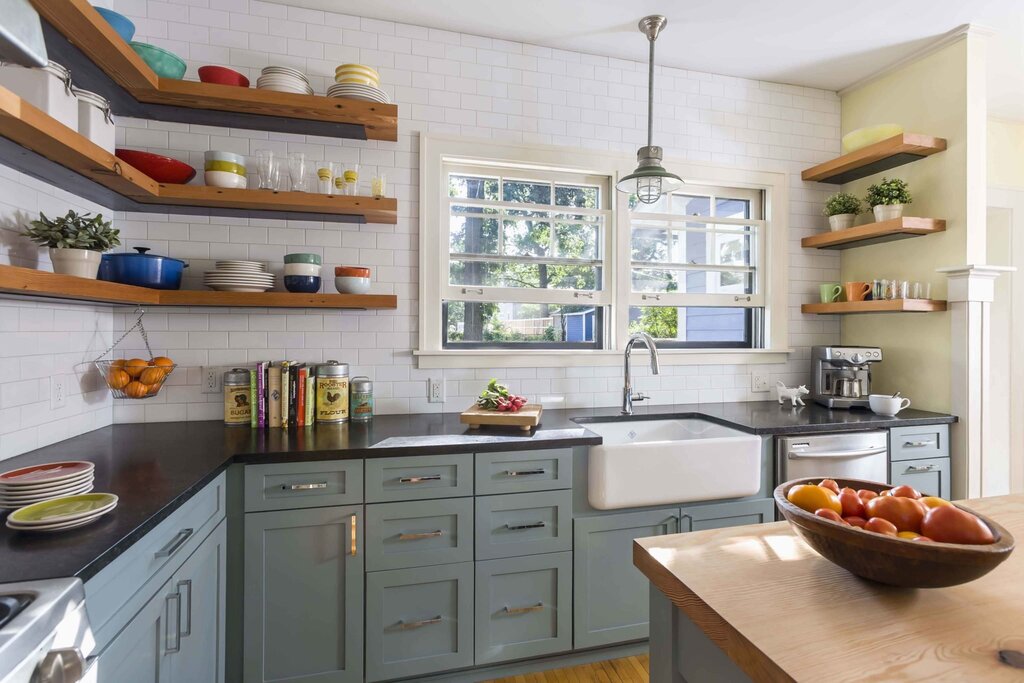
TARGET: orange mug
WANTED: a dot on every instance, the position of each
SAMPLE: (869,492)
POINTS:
(857,291)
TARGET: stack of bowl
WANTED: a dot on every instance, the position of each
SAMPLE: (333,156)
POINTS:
(225,169)
(302,273)
(357,81)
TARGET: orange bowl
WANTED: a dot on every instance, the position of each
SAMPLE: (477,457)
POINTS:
(351,271)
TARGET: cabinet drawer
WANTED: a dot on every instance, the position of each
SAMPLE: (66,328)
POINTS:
(293,485)
(929,476)
(523,524)
(419,533)
(419,621)
(911,443)
(419,477)
(523,607)
(521,471)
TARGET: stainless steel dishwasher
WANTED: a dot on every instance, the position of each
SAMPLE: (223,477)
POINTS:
(848,455)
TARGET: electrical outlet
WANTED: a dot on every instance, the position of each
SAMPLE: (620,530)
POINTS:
(759,383)
(211,381)
(435,390)
(58,391)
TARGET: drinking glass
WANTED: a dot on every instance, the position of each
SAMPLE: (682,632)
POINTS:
(879,289)
(338,171)
(902,289)
(921,290)
(325,177)
(264,168)
(378,186)
(297,168)
(351,178)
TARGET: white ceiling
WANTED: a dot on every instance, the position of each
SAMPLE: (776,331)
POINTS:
(820,43)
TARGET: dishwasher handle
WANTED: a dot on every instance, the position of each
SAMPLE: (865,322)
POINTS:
(858,453)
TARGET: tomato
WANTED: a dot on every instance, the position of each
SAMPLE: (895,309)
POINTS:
(908,535)
(810,497)
(905,513)
(887,492)
(830,484)
(880,526)
(923,538)
(933,501)
(905,491)
(866,495)
(853,506)
(856,521)
(830,515)
(950,524)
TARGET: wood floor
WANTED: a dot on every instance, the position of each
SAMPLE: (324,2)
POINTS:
(625,670)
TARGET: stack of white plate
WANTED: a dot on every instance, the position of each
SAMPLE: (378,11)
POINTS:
(356,91)
(63,513)
(284,79)
(29,485)
(239,276)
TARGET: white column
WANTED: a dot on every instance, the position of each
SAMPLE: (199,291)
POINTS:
(970,294)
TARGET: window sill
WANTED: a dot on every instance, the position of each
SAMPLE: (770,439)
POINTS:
(487,358)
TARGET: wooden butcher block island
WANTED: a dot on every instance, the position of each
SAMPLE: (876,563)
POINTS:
(756,603)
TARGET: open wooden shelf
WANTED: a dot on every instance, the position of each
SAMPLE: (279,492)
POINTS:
(881,156)
(47,149)
(77,36)
(29,282)
(875,233)
(886,306)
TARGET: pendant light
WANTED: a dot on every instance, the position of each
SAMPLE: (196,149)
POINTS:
(650,180)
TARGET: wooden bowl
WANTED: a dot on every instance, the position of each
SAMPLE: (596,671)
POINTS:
(890,560)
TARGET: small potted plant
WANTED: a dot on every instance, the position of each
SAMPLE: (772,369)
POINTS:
(887,199)
(76,241)
(842,209)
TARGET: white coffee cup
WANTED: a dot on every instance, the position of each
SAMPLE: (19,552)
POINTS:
(884,404)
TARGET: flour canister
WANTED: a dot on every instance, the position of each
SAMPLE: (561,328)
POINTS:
(237,407)
(362,399)
(332,392)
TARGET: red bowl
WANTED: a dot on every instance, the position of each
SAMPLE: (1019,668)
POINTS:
(222,75)
(160,168)
(351,271)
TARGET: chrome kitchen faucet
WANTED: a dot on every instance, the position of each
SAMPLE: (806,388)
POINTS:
(627,388)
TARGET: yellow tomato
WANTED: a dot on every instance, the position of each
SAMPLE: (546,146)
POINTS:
(810,497)
(933,501)
(908,534)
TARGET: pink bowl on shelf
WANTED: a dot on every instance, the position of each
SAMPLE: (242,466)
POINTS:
(221,75)
(158,167)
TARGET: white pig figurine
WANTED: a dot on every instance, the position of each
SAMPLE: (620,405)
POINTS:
(793,394)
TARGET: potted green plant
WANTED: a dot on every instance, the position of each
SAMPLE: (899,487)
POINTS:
(888,198)
(76,241)
(842,209)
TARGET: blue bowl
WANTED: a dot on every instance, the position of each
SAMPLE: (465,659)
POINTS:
(302,284)
(122,24)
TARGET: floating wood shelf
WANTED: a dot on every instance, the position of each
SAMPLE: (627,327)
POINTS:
(77,36)
(887,306)
(47,149)
(881,156)
(875,233)
(29,282)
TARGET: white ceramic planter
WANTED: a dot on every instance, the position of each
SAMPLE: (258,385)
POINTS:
(842,221)
(78,262)
(887,212)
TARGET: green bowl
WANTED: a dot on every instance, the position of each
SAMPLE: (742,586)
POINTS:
(165,64)
(225,166)
(303,258)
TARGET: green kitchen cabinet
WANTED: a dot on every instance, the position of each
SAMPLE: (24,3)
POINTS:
(141,652)
(930,476)
(722,515)
(303,620)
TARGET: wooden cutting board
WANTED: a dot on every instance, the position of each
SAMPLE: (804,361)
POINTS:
(526,419)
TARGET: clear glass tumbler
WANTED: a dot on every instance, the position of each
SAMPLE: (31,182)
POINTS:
(297,171)
(264,168)
(921,290)
(378,185)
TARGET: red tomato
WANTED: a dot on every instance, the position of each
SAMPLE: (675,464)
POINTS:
(906,491)
(887,492)
(866,495)
(830,515)
(830,484)
(905,513)
(856,521)
(853,506)
(880,526)
(949,524)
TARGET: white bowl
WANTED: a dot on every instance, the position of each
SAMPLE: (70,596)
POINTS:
(216,155)
(352,285)
(302,269)
(225,179)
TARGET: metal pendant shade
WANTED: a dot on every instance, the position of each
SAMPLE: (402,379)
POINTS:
(650,180)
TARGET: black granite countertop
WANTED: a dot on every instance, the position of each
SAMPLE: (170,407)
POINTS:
(154,468)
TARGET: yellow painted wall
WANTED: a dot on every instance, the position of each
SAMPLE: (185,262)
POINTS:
(928,96)
(1006,153)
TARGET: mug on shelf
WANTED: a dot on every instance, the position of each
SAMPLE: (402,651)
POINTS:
(883,404)
(857,291)
(830,292)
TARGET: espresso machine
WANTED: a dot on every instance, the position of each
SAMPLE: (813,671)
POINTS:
(841,375)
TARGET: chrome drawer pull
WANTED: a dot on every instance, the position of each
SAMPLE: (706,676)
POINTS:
(186,583)
(175,543)
(526,525)
(407,625)
(523,610)
(917,444)
(918,470)
(305,487)
(415,537)
(176,631)
(523,473)
(420,480)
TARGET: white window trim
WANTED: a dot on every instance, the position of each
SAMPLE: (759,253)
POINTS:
(435,149)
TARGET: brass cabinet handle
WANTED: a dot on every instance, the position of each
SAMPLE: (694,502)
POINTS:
(526,525)
(420,479)
(524,473)
(175,543)
(408,625)
(425,534)
(305,487)
(524,610)
(176,631)
(354,536)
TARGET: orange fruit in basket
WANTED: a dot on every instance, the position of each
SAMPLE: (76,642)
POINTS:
(153,388)
(151,376)
(135,366)
(163,362)
(117,378)
(136,390)
(118,363)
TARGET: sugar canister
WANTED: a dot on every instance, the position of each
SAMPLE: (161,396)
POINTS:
(237,408)
(362,399)
(332,392)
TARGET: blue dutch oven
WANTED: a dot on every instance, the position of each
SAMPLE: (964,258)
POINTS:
(142,269)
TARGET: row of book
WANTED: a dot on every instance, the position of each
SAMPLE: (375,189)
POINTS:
(282,395)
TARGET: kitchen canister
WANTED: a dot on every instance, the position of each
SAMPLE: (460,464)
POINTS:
(237,407)
(361,403)
(47,88)
(95,120)
(332,392)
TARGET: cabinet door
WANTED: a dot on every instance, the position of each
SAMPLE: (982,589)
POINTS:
(142,651)
(722,515)
(610,595)
(201,585)
(930,476)
(304,596)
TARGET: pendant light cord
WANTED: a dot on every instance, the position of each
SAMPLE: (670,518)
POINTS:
(650,96)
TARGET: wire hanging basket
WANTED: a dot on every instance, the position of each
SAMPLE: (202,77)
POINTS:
(134,378)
